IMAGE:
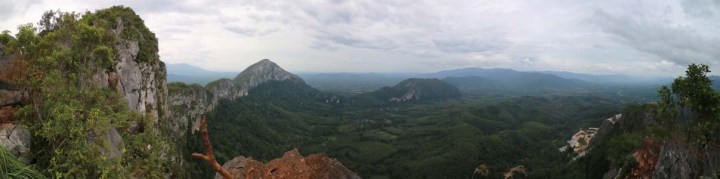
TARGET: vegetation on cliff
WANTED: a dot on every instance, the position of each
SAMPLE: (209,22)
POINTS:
(72,120)
(684,120)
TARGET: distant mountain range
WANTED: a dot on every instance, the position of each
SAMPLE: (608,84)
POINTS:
(192,74)
(478,82)
(326,81)
(616,78)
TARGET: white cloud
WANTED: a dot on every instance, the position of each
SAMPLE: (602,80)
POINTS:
(645,37)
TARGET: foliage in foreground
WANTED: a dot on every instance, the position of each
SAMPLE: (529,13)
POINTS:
(10,167)
(70,117)
(688,111)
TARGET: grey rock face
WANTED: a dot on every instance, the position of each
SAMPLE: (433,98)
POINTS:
(607,126)
(141,84)
(189,106)
(9,97)
(711,165)
(17,140)
(260,72)
(675,161)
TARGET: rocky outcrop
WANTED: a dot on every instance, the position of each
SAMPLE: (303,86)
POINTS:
(17,140)
(414,89)
(606,127)
(676,161)
(189,102)
(141,82)
(646,157)
(657,159)
(291,165)
(14,138)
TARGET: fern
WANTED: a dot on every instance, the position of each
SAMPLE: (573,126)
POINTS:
(10,167)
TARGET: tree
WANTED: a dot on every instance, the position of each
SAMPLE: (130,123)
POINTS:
(693,102)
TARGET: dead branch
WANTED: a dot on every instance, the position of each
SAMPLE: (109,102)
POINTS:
(209,157)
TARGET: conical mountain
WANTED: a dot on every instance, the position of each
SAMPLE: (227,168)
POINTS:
(263,71)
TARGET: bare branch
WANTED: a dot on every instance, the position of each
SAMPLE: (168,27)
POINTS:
(209,157)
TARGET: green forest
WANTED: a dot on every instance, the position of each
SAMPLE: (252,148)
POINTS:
(457,127)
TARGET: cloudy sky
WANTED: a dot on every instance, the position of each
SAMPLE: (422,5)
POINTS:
(639,37)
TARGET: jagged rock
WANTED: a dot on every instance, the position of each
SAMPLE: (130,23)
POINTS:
(224,89)
(605,128)
(17,140)
(113,139)
(676,161)
(188,104)
(711,165)
(646,158)
(142,84)
(291,165)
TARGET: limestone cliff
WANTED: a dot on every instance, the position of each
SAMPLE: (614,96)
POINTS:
(138,75)
(189,102)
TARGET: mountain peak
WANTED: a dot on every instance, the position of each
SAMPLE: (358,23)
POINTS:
(266,61)
(262,71)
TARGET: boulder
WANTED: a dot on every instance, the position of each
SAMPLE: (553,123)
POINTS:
(17,140)
(291,165)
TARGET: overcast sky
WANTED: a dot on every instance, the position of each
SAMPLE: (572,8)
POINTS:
(639,37)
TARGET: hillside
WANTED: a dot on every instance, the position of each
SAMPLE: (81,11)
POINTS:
(410,90)
(85,96)
(89,96)
(507,80)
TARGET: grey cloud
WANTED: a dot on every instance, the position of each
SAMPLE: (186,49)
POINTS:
(162,6)
(328,17)
(676,44)
(375,42)
(701,8)
(426,34)
(248,31)
(469,45)
(325,46)
(8,8)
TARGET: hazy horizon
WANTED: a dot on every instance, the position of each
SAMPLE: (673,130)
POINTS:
(413,73)
(640,38)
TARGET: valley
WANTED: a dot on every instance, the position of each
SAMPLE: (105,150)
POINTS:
(87,95)
(432,135)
